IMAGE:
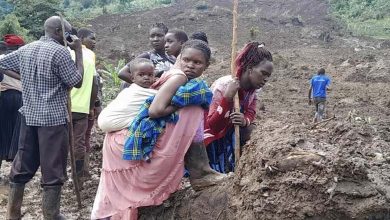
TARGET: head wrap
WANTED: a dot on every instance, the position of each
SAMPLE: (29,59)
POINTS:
(13,40)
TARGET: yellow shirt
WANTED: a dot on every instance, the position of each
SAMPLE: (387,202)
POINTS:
(81,97)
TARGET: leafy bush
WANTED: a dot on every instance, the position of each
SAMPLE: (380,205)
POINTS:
(66,3)
(87,3)
(10,25)
(5,8)
(112,71)
(33,13)
(112,82)
(364,17)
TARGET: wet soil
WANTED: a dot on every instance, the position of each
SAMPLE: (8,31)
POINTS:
(291,169)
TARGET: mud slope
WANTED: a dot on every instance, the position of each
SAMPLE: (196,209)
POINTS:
(290,169)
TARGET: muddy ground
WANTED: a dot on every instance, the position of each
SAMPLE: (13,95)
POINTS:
(291,169)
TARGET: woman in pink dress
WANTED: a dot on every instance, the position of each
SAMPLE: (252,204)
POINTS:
(126,185)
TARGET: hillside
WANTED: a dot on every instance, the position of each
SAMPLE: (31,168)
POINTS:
(290,169)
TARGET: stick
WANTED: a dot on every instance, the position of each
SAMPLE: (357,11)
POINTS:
(71,137)
(233,72)
(323,121)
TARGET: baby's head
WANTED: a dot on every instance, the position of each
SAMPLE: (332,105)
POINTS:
(195,58)
(142,72)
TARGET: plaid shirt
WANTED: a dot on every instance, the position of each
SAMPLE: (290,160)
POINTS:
(144,131)
(47,72)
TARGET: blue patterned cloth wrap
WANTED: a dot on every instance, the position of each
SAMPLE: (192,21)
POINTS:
(144,131)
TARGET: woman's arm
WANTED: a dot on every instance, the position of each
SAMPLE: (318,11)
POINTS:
(161,105)
(124,74)
(12,74)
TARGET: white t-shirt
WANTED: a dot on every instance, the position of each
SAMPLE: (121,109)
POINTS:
(9,82)
(121,111)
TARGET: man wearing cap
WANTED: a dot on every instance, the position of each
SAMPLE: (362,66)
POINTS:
(47,72)
(10,103)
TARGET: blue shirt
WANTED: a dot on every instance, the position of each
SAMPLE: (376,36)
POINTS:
(319,84)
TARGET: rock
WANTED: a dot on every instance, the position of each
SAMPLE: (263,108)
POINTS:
(380,64)
(348,101)
(296,22)
(363,66)
(356,189)
(304,68)
(385,44)
(297,159)
(293,89)
(346,63)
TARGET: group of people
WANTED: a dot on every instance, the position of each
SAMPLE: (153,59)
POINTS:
(47,74)
(166,97)
(164,121)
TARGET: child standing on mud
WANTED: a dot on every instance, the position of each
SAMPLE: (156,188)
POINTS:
(254,67)
(319,84)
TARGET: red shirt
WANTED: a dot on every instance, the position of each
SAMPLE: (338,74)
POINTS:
(217,121)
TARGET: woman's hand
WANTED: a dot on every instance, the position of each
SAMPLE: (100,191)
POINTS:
(161,105)
(232,89)
(237,118)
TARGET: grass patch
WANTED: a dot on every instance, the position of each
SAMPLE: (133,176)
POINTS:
(364,17)
(375,28)
(79,14)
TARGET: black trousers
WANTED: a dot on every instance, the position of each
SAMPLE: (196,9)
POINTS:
(10,103)
(41,146)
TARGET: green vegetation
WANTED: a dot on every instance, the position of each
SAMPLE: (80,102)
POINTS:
(10,25)
(79,11)
(254,32)
(32,14)
(26,17)
(112,82)
(364,17)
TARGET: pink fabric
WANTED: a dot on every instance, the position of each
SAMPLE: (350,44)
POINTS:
(126,185)
(198,138)
(165,76)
